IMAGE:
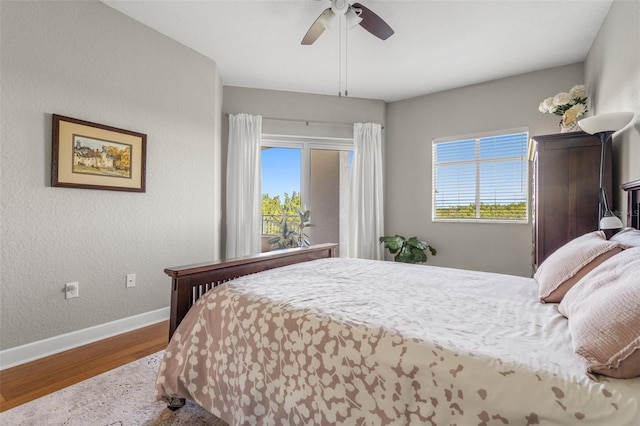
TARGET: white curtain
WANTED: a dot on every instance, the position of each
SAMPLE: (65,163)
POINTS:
(366,217)
(243,185)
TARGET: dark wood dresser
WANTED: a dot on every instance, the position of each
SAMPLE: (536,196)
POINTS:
(566,189)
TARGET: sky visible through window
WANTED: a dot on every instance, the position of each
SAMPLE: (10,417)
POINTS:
(281,171)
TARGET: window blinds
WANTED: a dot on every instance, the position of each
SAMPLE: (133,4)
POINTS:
(481,178)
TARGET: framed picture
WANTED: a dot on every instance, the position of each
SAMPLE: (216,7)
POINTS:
(94,156)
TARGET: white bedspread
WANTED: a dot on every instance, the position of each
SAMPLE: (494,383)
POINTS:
(347,341)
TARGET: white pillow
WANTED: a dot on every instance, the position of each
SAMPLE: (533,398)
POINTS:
(630,237)
(567,265)
(604,316)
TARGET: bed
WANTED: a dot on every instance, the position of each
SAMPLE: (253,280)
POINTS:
(301,337)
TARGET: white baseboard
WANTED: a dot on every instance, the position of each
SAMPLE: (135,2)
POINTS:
(53,345)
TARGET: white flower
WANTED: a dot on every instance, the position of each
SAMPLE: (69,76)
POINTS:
(542,108)
(578,91)
(563,101)
(548,105)
(579,109)
(573,113)
(561,98)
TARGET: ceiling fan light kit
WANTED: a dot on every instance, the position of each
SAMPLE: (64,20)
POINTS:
(353,17)
(355,14)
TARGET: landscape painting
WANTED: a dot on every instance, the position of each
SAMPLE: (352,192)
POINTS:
(95,156)
(99,157)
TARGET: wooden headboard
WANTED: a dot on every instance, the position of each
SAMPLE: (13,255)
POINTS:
(633,203)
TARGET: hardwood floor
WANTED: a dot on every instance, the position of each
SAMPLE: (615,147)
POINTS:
(27,382)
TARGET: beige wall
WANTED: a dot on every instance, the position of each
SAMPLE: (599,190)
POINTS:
(301,106)
(612,71)
(85,60)
(411,126)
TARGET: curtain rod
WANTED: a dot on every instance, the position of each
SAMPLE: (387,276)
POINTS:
(306,122)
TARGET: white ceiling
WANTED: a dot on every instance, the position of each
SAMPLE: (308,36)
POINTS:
(437,45)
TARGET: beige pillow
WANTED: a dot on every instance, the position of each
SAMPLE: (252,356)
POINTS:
(567,265)
(604,316)
(630,237)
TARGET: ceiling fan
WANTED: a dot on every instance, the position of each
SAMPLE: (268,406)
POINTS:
(355,14)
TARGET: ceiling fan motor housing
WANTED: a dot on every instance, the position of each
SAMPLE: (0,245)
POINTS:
(339,7)
(355,14)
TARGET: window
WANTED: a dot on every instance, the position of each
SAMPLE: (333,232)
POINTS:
(481,178)
(280,185)
(310,173)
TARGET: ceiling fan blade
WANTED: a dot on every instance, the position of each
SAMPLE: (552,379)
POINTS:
(373,23)
(318,27)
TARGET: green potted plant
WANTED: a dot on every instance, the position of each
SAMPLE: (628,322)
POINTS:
(410,250)
(292,233)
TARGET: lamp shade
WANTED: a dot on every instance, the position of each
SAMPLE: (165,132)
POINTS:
(610,222)
(610,122)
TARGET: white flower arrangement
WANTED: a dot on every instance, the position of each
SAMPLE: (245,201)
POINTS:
(569,105)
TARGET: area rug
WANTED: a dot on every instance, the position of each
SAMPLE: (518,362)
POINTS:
(121,397)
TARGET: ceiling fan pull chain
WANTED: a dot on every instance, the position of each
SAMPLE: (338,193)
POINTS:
(346,60)
(339,56)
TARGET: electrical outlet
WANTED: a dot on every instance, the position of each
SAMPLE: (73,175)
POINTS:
(131,280)
(72,290)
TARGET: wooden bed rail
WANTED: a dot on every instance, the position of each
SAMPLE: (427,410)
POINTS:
(190,282)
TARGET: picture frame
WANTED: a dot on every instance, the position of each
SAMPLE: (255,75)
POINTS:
(94,156)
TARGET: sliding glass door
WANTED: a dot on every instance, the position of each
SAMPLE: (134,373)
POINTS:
(308,174)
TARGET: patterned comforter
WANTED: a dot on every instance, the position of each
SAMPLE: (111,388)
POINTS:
(359,342)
